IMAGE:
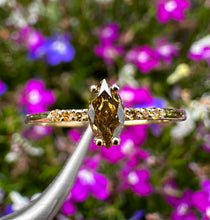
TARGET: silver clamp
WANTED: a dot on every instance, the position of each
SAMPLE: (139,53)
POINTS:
(47,205)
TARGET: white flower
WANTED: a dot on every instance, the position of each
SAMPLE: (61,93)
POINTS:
(18,200)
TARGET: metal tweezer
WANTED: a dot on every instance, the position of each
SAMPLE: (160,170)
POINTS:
(47,205)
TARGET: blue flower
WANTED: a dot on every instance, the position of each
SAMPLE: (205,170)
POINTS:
(3,87)
(138,215)
(55,49)
(8,209)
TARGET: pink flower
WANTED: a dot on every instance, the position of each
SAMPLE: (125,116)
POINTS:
(144,57)
(109,33)
(32,38)
(171,9)
(137,180)
(35,97)
(109,52)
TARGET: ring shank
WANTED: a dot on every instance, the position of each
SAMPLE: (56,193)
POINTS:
(79,117)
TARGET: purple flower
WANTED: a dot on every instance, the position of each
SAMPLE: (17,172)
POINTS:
(33,39)
(132,96)
(171,9)
(56,49)
(200,50)
(137,180)
(109,33)
(166,50)
(3,87)
(144,57)
(35,97)
(108,51)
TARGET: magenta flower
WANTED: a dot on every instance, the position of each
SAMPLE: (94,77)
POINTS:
(88,182)
(3,87)
(144,57)
(74,134)
(166,51)
(35,97)
(137,180)
(206,144)
(171,9)
(69,207)
(183,207)
(36,132)
(106,47)
(108,51)
(200,50)
(109,33)
(33,39)
(128,148)
(201,198)
(171,191)
(132,96)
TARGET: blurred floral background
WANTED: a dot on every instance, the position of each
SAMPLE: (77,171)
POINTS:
(158,52)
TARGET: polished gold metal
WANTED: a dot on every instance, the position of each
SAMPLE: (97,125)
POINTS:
(106,115)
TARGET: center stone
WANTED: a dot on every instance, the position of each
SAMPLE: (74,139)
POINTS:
(106,114)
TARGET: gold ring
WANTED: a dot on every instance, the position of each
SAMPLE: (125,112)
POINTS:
(106,115)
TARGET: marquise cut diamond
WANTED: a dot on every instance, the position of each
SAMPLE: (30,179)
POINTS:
(106,114)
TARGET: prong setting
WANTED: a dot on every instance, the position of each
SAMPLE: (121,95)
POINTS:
(115,141)
(115,87)
(94,89)
(98,142)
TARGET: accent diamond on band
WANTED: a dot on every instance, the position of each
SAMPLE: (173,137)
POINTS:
(106,115)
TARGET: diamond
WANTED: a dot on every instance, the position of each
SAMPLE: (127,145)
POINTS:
(106,114)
